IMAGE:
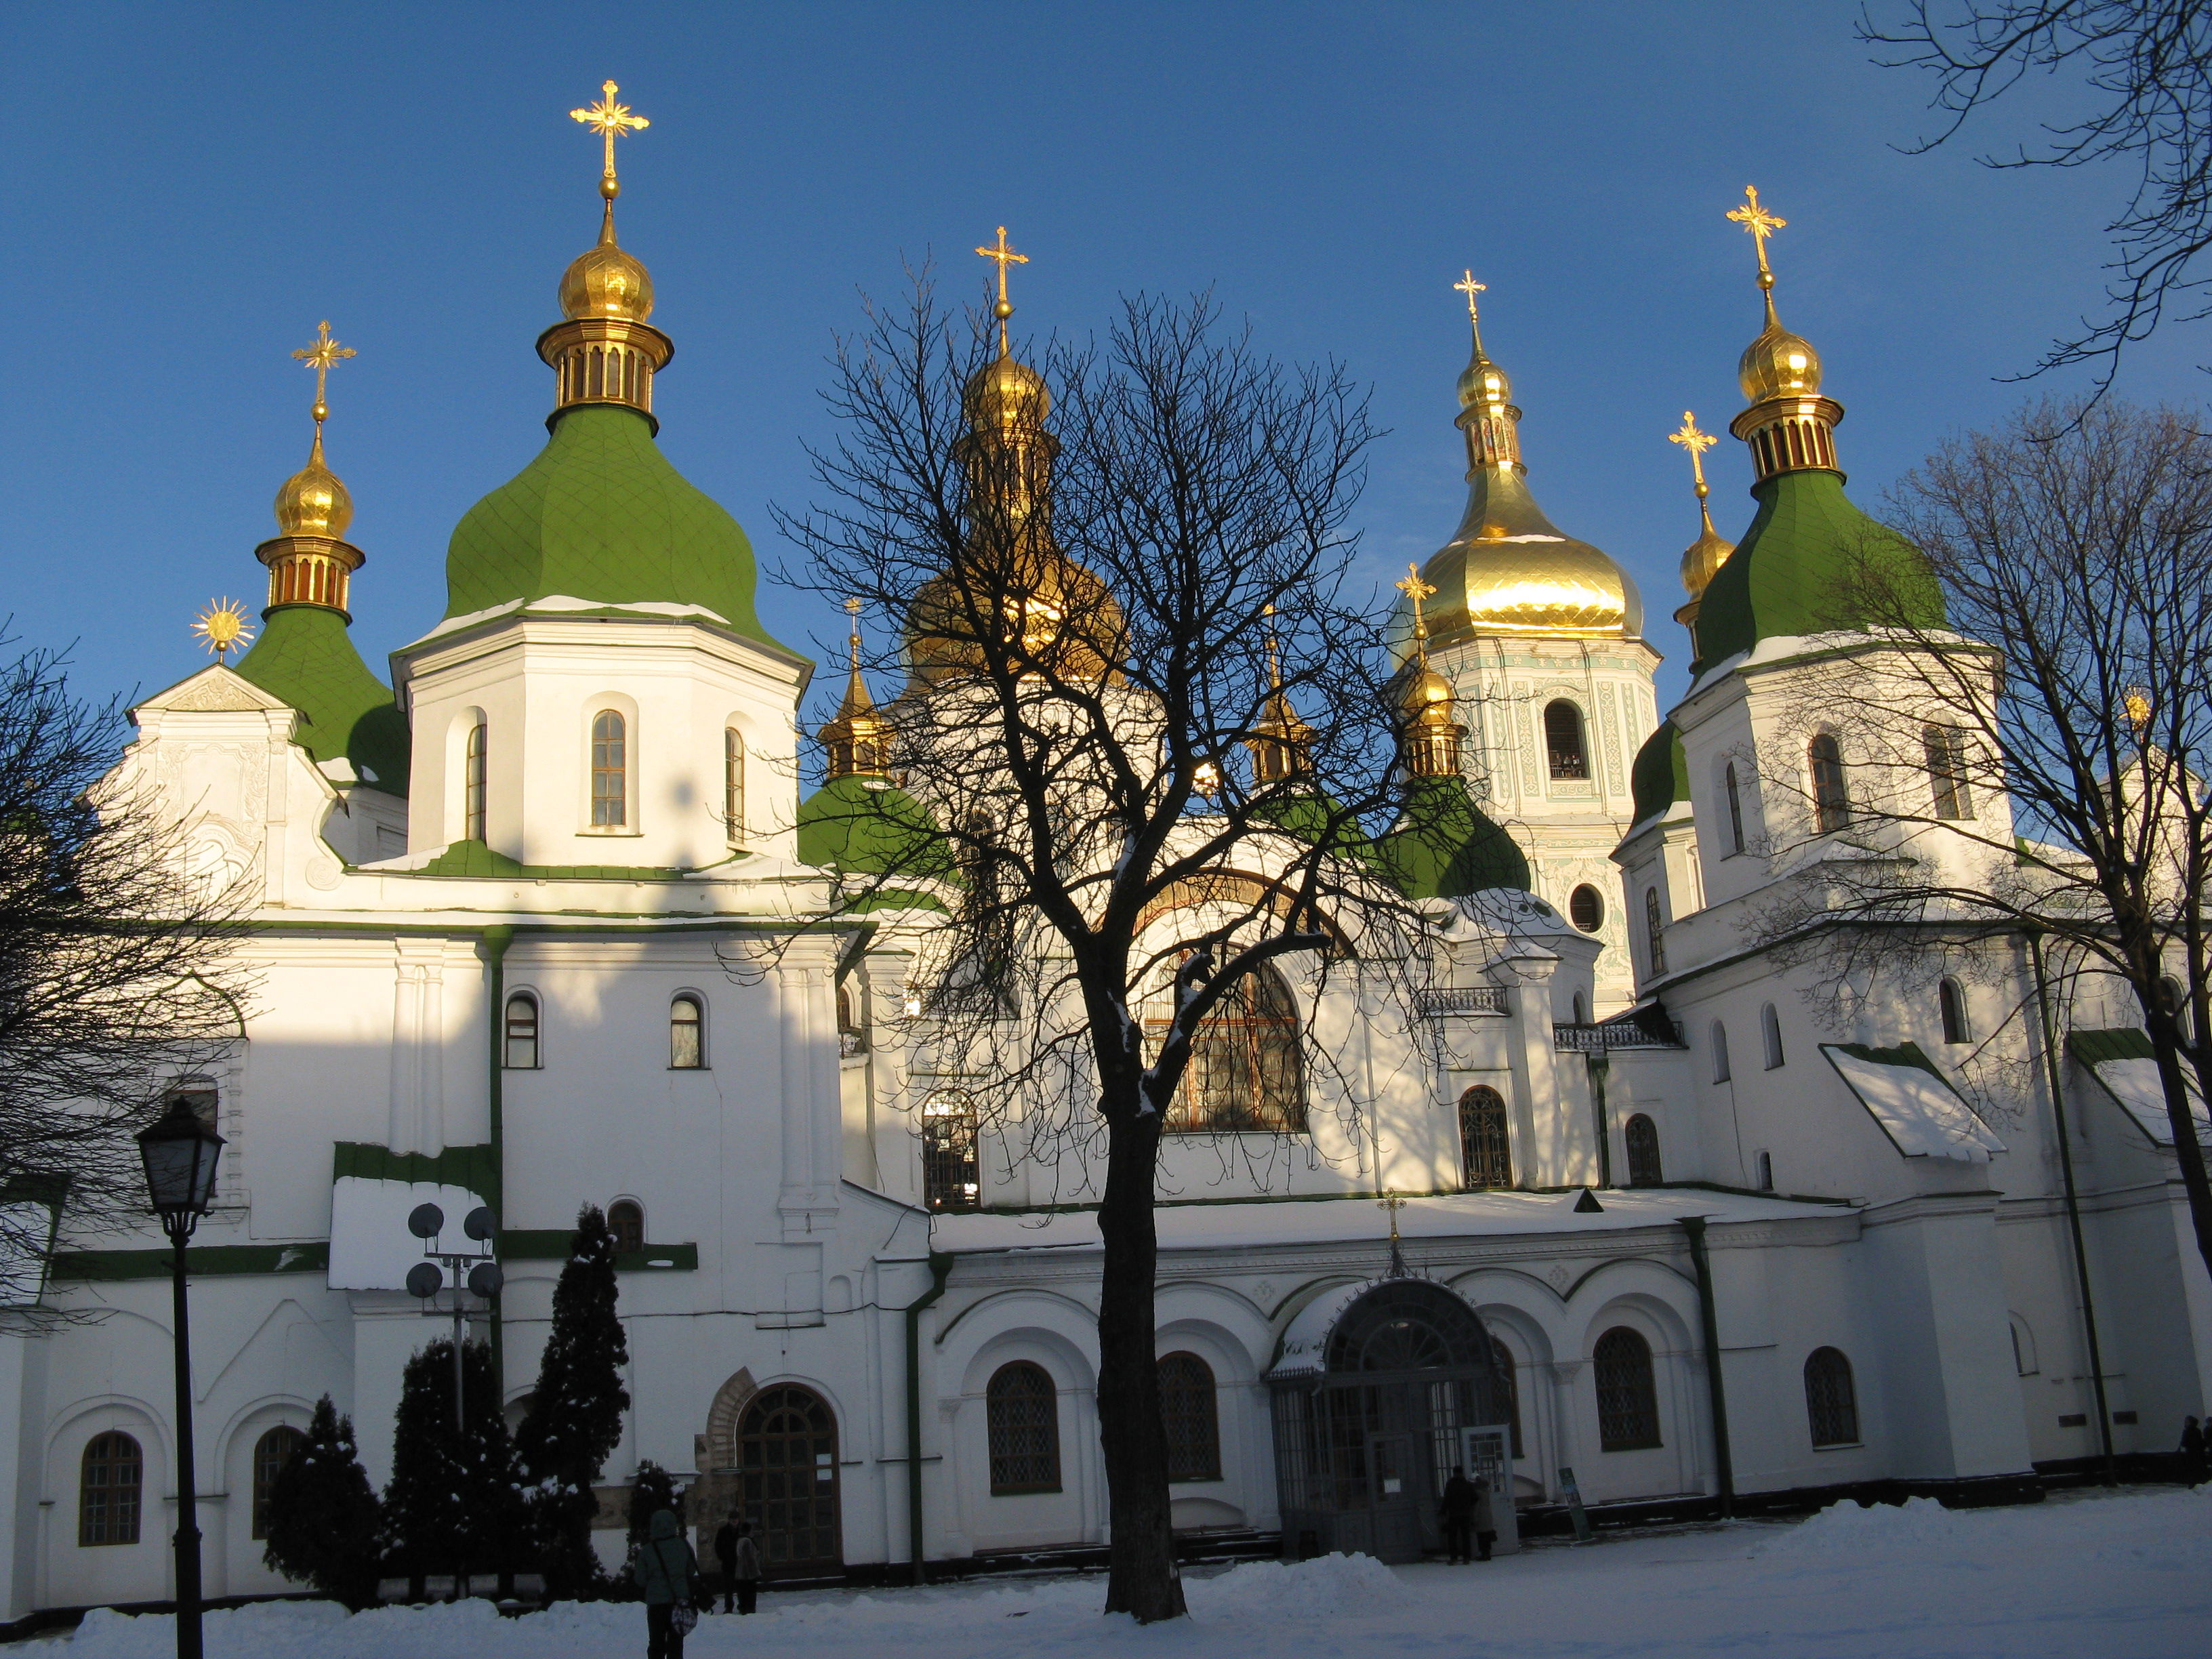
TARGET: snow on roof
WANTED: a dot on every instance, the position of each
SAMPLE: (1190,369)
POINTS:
(371,1248)
(1916,1105)
(1349,1219)
(2121,1063)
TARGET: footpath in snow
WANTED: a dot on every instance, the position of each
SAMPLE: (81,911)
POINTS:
(2082,1576)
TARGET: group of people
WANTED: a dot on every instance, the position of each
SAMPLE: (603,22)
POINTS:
(675,1591)
(1470,1524)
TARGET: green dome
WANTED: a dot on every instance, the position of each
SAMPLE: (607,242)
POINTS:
(306,657)
(1445,846)
(1793,571)
(601,516)
(1661,775)
(864,826)
(1315,819)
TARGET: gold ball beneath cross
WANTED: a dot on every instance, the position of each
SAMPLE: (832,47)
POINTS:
(610,187)
(1003,310)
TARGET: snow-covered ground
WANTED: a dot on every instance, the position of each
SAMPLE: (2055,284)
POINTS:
(2126,1577)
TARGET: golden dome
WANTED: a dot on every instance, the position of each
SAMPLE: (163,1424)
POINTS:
(1510,570)
(1702,558)
(313,502)
(605,281)
(1004,394)
(1483,382)
(1778,364)
(1425,690)
(1068,619)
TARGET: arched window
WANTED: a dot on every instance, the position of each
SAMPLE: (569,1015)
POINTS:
(1563,739)
(1832,1403)
(609,770)
(626,1221)
(1952,1002)
(949,1176)
(109,1482)
(1945,750)
(1586,909)
(1628,1398)
(1022,1411)
(1581,1009)
(1735,808)
(1485,1153)
(1770,1029)
(687,1033)
(1721,1072)
(1655,943)
(1767,1172)
(1191,1416)
(1643,1137)
(734,785)
(1832,801)
(2175,1001)
(1245,1071)
(270,1454)
(472,793)
(521,1055)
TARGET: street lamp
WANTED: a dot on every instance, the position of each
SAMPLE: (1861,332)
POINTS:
(180,1152)
(475,1270)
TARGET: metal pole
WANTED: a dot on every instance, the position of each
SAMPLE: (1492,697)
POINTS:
(188,1527)
(460,1421)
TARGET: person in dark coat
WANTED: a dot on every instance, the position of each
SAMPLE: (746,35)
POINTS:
(725,1557)
(2194,1446)
(1457,1512)
(668,1575)
(748,1568)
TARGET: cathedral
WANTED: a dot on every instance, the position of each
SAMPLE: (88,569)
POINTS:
(1623,1216)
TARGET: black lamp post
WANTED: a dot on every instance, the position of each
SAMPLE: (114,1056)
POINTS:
(180,1152)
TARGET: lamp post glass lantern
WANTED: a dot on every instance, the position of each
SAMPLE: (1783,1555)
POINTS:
(181,1151)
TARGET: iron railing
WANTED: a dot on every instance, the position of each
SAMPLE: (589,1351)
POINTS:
(1461,999)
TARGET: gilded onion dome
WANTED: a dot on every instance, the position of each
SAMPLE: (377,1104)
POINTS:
(606,281)
(857,738)
(1509,569)
(313,502)
(1429,730)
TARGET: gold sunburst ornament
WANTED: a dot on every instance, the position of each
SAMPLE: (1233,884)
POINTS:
(223,627)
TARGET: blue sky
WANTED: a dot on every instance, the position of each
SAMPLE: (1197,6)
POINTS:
(203,184)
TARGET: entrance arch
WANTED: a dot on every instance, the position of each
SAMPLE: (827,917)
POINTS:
(786,1464)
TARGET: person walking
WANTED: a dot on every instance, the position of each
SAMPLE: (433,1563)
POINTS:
(725,1557)
(668,1573)
(1457,1512)
(2194,1445)
(747,1571)
(1484,1519)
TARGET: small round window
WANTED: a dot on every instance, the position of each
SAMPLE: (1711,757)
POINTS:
(1586,909)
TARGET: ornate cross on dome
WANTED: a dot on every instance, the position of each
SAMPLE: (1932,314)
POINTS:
(611,120)
(1005,256)
(853,610)
(1697,443)
(1761,224)
(1393,1203)
(1417,589)
(319,356)
(1468,286)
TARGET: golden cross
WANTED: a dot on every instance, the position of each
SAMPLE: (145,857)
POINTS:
(319,356)
(610,120)
(1005,256)
(853,610)
(1760,223)
(1697,443)
(1469,287)
(1417,589)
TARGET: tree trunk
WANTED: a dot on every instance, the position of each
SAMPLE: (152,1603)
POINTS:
(1142,1578)
(2166,1049)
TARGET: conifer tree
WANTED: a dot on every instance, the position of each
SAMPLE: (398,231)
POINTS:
(453,1504)
(323,1515)
(575,1414)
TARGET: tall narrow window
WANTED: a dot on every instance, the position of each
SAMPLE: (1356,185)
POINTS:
(1947,771)
(950,1177)
(1627,1397)
(609,770)
(1245,1072)
(1022,1414)
(734,785)
(1654,942)
(473,788)
(1642,1138)
(1767,1172)
(1485,1153)
(1832,1403)
(1721,1072)
(1770,1029)
(270,1454)
(1735,808)
(1952,1002)
(1832,801)
(1563,739)
(626,1221)
(110,1481)
(1191,1416)
(521,1032)
(687,1033)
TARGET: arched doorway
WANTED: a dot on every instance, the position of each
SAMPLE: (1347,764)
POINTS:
(1382,1389)
(788,1481)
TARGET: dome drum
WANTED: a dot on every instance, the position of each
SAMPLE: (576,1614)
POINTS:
(605,360)
(1789,434)
(309,570)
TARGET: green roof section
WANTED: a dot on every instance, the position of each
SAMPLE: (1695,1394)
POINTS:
(1445,846)
(601,516)
(207,1261)
(306,657)
(867,826)
(1796,569)
(475,859)
(468,1167)
(2120,1042)
(1318,820)
(1661,775)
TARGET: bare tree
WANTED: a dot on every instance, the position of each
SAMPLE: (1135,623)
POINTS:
(2027,762)
(1143,758)
(2149,64)
(112,976)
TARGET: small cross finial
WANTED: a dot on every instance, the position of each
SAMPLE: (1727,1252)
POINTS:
(319,356)
(611,120)
(853,610)
(1761,224)
(1697,443)
(1417,589)
(1005,256)
(1391,1202)
(1468,286)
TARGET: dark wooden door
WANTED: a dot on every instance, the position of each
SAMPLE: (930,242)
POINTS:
(788,1481)
(1395,1493)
